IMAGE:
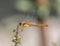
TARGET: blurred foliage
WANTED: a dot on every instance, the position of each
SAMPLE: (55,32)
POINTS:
(24,5)
(42,9)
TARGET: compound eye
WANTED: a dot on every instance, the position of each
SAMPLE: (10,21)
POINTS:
(20,23)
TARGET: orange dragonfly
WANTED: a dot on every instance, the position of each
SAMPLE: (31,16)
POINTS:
(28,24)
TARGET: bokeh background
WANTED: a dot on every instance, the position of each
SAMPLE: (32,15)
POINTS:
(35,11)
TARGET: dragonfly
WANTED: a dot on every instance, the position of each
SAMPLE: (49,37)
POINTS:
(29,24)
